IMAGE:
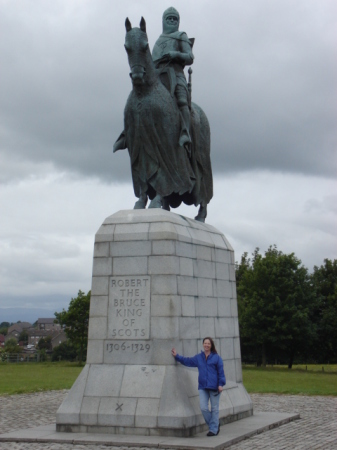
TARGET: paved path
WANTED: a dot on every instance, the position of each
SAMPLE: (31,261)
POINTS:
(317,428)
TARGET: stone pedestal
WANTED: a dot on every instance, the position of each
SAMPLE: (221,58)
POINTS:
(160,280)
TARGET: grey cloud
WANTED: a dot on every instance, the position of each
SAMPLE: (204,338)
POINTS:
(264,73)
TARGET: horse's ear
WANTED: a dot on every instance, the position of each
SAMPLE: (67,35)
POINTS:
(128,25)
(142,24)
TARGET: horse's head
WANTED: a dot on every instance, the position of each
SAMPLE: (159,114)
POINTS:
(137,48)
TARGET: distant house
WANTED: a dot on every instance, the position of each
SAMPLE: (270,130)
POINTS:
(57,336)
(2,340)
(15,330)
(47,324)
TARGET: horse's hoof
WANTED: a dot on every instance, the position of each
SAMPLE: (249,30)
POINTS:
(140,204)
(199,219)
(156,203)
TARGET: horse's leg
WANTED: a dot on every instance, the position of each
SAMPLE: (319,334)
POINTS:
(141,203)
(166,204)
(202,213)
(156,202)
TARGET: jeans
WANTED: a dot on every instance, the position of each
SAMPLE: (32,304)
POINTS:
(211,416)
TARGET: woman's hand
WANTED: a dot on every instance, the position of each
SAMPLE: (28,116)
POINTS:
(220,389)
(174,352)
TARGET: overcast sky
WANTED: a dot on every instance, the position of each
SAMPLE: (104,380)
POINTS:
(264,73)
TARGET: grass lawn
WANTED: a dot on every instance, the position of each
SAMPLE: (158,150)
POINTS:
(298,380)
(19,378)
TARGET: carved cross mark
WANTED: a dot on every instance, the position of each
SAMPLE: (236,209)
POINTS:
(119,406)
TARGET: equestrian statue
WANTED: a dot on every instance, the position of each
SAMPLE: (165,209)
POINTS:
(166,134)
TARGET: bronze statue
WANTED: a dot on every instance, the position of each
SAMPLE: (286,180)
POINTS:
(167,135)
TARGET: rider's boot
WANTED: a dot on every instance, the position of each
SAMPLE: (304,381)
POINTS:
(185,138)
(166,204)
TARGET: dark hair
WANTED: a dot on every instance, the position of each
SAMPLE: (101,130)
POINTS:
(213,349)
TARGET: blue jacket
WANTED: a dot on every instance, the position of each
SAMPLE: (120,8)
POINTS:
(211,373)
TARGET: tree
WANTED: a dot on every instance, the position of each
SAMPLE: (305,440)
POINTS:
(324,280)
(65,351)
(44,343)
(275,300)
(23,336)
(76,321)
(11,346)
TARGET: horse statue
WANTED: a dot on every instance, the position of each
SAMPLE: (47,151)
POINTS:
(162,170)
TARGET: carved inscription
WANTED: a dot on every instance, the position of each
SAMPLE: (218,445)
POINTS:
(129,308)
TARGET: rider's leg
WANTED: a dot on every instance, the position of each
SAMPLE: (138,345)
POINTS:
(182,100)
(202,213)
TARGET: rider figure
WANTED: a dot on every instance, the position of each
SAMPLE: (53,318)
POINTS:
(171,53)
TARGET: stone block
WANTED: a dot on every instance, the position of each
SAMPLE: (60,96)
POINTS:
(234,290)
(224,307)
(161,353)
(149,381)
(225,405)
(98,306)
(186,267)
(189,328)
(238,370)
(234,307)
(104,380)
(222,271)
(218,240)
(223,256)
(131,232)
(227,348)
(164,284)
(206,326)
(190,347)
(132,248)
(236,327)
(100,286)
(188,306)
(118,412)
(98,328)
(203,269)
(205,287)
(89,410)
(101,249)
(164,327)
(135,265)
(205,253)
(230,369)
(69,411)
(231,272)
(146,412)
(186,250)
(237,349)
(105,233)
(164,265)
(222,288)
(224,327)
(228,245)
(95,351)
(163,247)
(187,285)
(183,234)
(102,266)
(239,399)
(175,410)
(165,305)
(162,231)
(201,237)
(206,307)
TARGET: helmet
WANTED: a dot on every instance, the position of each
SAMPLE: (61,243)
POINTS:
(171,12)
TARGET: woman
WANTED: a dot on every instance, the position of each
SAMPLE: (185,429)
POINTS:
(211,381)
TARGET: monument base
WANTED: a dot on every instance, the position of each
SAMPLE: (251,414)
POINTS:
(160,280)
